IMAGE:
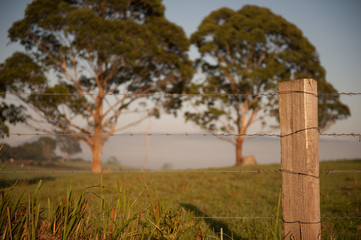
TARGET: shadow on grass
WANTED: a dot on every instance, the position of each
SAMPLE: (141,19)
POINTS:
(213,223)
(4,183)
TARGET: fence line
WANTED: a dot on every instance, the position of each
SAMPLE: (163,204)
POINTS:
(182,94)
(259,171)
(274,217)
(185,134)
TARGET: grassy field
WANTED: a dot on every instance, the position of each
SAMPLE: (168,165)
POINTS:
(194,198)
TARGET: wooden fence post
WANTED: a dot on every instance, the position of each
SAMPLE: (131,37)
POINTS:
(299,159)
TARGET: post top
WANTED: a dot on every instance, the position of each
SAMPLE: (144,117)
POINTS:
(305,85)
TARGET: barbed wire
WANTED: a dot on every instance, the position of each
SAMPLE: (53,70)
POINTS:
(281,218)
(342,217)
(182,94)
(241,217)
(185,134)
(299,173)
(258,171)
(152,134)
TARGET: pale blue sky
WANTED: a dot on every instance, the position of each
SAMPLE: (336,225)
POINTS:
(333,26)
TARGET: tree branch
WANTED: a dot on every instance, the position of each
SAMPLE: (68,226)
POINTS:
(77,84)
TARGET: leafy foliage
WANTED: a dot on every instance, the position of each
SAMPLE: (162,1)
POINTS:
(249,51)
(10,114)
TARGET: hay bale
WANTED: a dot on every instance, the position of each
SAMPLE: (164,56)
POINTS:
(249,161)
(108,170)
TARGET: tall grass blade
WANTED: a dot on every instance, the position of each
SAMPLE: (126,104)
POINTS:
(276,232)
(9,222)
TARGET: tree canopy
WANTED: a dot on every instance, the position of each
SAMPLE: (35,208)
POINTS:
(249,51)
(10,114)
(95,48)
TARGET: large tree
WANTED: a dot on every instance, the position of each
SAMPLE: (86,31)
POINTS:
(248,52)
(96,49)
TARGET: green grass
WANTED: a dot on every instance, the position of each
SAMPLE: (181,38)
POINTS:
(202,195)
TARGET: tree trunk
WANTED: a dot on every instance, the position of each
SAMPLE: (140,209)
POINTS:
(97,143)
(239,145)
(97,155)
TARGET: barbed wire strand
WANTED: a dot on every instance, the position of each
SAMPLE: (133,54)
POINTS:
(299,173)
(258,171)
(274,217)
(244,217)
(185,134)
(182,94)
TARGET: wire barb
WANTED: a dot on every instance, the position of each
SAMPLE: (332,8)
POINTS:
(299,173)
(301,130)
